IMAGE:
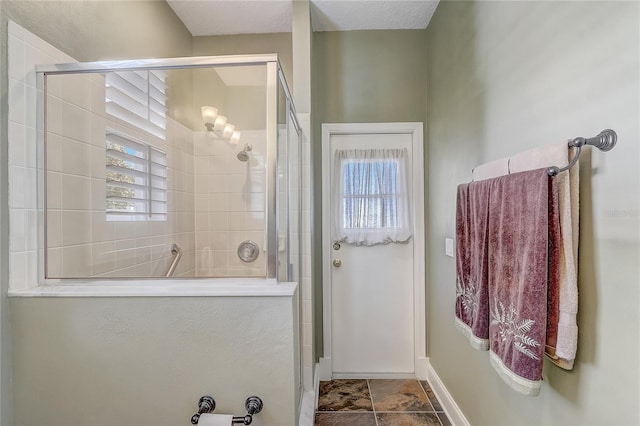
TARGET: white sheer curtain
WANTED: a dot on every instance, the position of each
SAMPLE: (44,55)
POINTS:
(370,197)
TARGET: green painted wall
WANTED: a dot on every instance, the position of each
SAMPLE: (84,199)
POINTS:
(504,77)
(360,77)
(101,30)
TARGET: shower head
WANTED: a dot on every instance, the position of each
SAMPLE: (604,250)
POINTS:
(244,154)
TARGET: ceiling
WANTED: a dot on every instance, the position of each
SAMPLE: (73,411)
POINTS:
(218,17)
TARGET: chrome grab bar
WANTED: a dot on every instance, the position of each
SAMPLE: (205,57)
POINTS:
(177,253)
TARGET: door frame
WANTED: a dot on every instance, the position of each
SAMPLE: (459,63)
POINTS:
(415,129)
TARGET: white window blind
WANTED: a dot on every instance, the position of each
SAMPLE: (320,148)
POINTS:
(370,197)
(138,98)
(136,179)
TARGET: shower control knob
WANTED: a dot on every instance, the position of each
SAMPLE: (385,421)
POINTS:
(337,263)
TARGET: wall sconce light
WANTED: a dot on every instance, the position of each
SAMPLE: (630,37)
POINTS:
(235,138)
(220,122)
(228,130)
(217,125)
(209,116)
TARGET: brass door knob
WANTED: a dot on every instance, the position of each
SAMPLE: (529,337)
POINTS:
(337,263)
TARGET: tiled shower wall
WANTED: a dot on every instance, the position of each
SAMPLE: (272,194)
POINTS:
(229,204)
(82,242)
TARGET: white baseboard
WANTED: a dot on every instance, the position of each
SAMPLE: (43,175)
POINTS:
(309,402)
(316,386)
(422,367)
(444,397)
(404,376)
(324,369)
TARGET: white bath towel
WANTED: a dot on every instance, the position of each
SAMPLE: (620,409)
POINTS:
(491,170)
(568,186)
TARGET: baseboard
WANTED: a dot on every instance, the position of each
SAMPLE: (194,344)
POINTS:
(309,402)
(403,376)
(324,369)
(422,367)
(448,404)
(316,386)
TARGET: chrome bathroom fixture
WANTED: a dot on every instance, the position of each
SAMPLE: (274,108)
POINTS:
(248,251)
(604,141)
(207,404)
(244,154)
(177,254)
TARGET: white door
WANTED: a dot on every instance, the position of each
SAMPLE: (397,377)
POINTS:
(372,288)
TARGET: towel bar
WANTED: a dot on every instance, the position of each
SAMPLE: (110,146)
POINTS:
(604,141)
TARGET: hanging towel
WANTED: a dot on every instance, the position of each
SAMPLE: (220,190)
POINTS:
(472,298)
(518,274)
(492,169)
(563,352)
(554,268)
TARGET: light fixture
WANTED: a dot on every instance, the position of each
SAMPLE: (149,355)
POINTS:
(235,138)
(228,130)
(217,125)
(220,122)
(209,115)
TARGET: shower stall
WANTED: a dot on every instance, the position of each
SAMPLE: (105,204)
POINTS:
(154,237)
(182,167)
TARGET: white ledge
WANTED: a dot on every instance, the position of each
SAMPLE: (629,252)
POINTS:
(221,287)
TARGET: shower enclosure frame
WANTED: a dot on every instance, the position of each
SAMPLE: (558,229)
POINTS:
(275,76)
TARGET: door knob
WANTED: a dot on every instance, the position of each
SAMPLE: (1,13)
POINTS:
(337,263)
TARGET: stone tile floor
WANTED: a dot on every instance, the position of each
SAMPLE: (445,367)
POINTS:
(378,402)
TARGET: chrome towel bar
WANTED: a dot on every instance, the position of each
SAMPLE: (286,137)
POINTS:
(604,141)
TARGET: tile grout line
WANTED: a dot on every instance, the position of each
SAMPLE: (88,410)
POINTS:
(429,399)
(373,407)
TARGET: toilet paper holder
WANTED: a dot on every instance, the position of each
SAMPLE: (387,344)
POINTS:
(207,404)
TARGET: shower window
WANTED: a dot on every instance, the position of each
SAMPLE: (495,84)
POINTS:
(138,98)
(372,204)
(136,180)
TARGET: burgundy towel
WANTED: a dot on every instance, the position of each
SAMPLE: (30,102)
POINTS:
(472,288)
(554,276)
(518,273)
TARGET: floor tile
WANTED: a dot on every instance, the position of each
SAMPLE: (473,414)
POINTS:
(344,395)
(399,395)
(407,419)
(432,397)
(444,419)
(345,419)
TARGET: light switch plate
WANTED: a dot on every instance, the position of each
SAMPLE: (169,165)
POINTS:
(448,247)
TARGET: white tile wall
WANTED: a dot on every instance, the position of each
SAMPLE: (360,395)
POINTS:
(229,204)
(306,314)
(81,242)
